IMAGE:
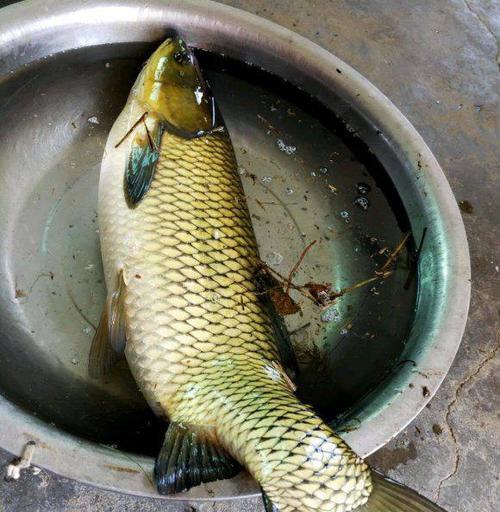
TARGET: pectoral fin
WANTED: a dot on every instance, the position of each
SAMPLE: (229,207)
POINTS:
(186,460)
(142,160)
(117,323)
(102,357)
(109,340)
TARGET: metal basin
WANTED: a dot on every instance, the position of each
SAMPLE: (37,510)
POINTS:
(324,156)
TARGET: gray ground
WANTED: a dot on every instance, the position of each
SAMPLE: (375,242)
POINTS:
(438,60)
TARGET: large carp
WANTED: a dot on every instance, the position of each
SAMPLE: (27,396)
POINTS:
(186,309)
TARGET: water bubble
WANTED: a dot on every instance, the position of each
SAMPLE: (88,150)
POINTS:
(343,331)
(323,170)
(87,330)
(266,179)
(331,314)
(363,188)
(107,65)
(344,214)
(289,191)
(362,202)
(93,120)
(273,258)
(288,149)
(74,361)
(242,171)
(313,173)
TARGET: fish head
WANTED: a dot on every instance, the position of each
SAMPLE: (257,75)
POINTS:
(171,86)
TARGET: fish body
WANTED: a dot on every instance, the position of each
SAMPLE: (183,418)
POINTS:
(180,256)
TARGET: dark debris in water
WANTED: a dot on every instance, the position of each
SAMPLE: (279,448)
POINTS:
(278,287)
(320,292)
(20,293)
(466,206)
(283,303)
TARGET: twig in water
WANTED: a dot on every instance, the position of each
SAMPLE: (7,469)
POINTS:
(152,145)
(414,261)
(336,295)
(260,204)
(394,254)
(297,265)
(82,314)
(383,273)
(132,128)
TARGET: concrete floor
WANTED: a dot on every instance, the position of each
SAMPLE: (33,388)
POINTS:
(438,61)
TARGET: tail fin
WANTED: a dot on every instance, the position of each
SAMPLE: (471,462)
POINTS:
(389,496)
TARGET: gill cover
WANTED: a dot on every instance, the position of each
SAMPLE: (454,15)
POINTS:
(176,99)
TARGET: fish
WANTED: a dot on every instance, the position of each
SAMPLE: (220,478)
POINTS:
(189,308)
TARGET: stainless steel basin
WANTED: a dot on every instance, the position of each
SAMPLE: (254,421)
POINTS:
(312,137)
